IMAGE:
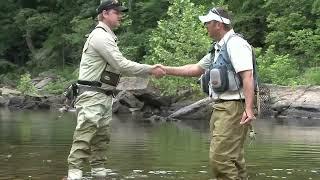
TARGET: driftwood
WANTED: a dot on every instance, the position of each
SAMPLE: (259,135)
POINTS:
(191,108)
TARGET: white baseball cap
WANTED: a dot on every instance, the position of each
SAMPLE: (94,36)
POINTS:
(213,15)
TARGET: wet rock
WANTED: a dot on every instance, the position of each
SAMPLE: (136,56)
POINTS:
(121,109)
(8,91)
(128,99)
(55,101)
(16,102)
(133,83)
(152,97)
(42,83)
(300,101)
(28,102)
(124,101)
(3,101)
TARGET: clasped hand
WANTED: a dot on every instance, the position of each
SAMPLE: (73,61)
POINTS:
(158,71)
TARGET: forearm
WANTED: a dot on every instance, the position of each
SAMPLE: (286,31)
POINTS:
(248,89)
(190,70)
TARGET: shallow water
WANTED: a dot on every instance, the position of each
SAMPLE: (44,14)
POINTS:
(35,145)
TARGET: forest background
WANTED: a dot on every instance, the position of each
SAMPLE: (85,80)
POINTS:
(46,37)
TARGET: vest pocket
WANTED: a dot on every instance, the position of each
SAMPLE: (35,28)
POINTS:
(219,79)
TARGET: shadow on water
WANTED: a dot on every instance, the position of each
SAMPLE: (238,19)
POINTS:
(35,144)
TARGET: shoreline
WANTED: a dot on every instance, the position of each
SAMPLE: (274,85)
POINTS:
(279,101)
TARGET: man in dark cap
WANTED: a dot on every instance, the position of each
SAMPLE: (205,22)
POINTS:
(100,68)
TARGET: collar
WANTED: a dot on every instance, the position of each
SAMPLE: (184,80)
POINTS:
(223,40)
(106,27)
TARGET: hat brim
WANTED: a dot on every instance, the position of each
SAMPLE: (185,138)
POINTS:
(205,19)
(121,8)
(213,17)
(115,7)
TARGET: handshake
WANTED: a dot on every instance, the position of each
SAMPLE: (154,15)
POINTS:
(158,70)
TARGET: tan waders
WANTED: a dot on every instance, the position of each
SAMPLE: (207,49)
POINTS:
(227,143)
(91,135)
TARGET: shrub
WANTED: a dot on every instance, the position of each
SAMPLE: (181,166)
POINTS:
(311,76)
(277,69)
(64,79)
(25,85)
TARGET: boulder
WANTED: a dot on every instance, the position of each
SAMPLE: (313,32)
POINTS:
(133,83)
(16,102)
(42,83)
(7,91)
(136,93)
(300,101)
(3,101)
(28,102)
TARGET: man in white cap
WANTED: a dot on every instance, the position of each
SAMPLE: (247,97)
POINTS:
(100,68)
(233,107)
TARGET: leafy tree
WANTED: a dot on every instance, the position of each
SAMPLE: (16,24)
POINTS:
(138,25)
(180,39)
(249,19)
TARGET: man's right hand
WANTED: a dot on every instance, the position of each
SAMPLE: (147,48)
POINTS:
(158,71)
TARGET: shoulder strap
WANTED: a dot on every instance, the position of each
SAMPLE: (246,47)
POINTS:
(224,47)
(254,61)
(99,27)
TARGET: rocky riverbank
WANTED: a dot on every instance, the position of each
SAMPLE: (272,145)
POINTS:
(277,101)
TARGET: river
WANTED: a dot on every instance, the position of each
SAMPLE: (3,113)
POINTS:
(35,145)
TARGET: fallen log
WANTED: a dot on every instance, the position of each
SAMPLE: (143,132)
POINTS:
(191,108)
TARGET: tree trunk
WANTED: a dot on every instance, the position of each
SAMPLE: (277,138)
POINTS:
(130,4)
(30,43)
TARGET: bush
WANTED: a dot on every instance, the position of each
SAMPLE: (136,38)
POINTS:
(277,69)
(64,79)
(25,85)
(311,76)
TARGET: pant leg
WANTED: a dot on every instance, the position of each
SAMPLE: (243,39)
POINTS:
(99,146)
(100,141)
(80,150)
(91,108)
(228,136)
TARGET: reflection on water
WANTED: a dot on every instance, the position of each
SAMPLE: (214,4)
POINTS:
(34,145)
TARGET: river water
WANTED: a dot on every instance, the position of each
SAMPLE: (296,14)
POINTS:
(35,145)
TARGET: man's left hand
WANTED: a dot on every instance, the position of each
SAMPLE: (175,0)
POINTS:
(247,117)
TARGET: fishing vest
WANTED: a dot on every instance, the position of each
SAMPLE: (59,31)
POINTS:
(221,76)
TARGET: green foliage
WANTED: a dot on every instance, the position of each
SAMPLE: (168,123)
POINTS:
(136,28)
(180,39)
(277,69)
(38,35)
(64,79)
(294,30)
(25,85)
(6,66)
(9,79)
(306,44)
(311,76)
(249,19)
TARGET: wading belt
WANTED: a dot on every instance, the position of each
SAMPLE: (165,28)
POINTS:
(84,86)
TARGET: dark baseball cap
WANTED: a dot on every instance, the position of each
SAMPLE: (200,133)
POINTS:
(111,4)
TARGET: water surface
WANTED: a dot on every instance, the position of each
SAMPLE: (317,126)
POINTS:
(35,145)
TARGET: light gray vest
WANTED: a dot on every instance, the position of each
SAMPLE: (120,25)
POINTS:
(221,76)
